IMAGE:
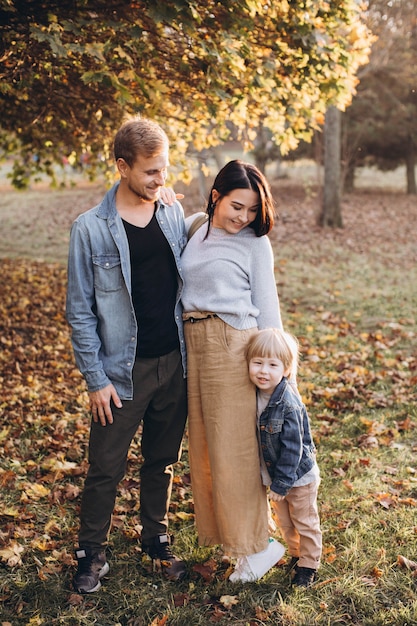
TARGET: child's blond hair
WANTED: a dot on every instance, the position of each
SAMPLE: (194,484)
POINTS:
(274,343)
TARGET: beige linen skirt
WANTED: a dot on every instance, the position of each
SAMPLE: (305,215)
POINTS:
(229,498)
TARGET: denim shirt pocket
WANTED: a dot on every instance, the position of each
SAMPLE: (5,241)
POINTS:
(270,431)
(107,272)
(273,426)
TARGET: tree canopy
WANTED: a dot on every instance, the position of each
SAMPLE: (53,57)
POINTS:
(381,125)
(71,70)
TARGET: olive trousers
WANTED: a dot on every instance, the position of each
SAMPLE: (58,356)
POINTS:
(160,405)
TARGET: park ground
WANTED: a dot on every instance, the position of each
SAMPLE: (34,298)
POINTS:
(350,296)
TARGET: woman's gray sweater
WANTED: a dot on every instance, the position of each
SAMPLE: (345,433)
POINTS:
(231,275)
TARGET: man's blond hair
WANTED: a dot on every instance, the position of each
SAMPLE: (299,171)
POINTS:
(139,136)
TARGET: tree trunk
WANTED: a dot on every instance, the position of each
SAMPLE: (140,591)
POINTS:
(410,164)
(349,179)
(217,153)
(202,180)
(260,151)
(331,213)
(279,172)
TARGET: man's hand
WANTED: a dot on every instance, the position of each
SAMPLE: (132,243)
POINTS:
(276,497)
(100,404)
(168,195)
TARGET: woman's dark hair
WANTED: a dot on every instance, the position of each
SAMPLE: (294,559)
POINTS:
(240,175)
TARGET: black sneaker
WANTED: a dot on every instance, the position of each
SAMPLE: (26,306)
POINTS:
(291,564)
(159,549)
(304,577)
(92,566)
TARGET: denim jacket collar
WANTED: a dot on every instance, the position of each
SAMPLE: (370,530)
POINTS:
(107,207)
(279,391)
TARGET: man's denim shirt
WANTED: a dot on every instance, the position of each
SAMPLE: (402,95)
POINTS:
(285,436)
(99,304)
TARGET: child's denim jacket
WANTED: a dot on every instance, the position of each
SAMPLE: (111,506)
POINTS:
(285,438)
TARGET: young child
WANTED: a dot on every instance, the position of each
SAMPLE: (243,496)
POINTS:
(288,454)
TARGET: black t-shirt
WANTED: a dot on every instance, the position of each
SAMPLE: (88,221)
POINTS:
(154,289)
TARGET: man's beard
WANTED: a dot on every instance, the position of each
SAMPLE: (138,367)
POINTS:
(142,196)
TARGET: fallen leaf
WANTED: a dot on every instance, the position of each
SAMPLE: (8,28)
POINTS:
(35,491)
(229,601)
(409,501)
(181,599)
(402,561)
(185,517)
(206,570)
(406,424)
(385,500)
(159,621)
(75,599)
(217,614)
(12,554)
(10,512)
(368,581)
(368,441)
(329,553)
(262,614)
(376,572)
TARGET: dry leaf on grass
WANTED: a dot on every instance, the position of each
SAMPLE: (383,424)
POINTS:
(11,554)
(229,601)
(402,561)
(206,570)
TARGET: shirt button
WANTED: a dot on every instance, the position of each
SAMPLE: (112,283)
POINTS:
(129,363)
(107,264)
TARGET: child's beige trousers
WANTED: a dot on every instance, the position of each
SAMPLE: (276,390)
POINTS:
(298,520)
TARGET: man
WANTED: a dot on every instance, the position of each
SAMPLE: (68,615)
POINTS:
(123,305)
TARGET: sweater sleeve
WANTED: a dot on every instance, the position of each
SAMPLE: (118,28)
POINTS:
(263,285)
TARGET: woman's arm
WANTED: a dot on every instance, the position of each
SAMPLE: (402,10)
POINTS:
(263,285)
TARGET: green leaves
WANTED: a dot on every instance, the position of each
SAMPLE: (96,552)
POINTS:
(50,36)
(185,63)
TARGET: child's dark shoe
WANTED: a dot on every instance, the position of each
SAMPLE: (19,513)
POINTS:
(303,577)
(289,567)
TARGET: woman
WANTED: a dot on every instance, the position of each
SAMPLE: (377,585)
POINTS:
(229,293)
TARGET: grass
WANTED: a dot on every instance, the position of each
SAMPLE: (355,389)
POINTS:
(350,297)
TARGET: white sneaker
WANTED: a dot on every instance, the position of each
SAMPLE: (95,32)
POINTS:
(253,567)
